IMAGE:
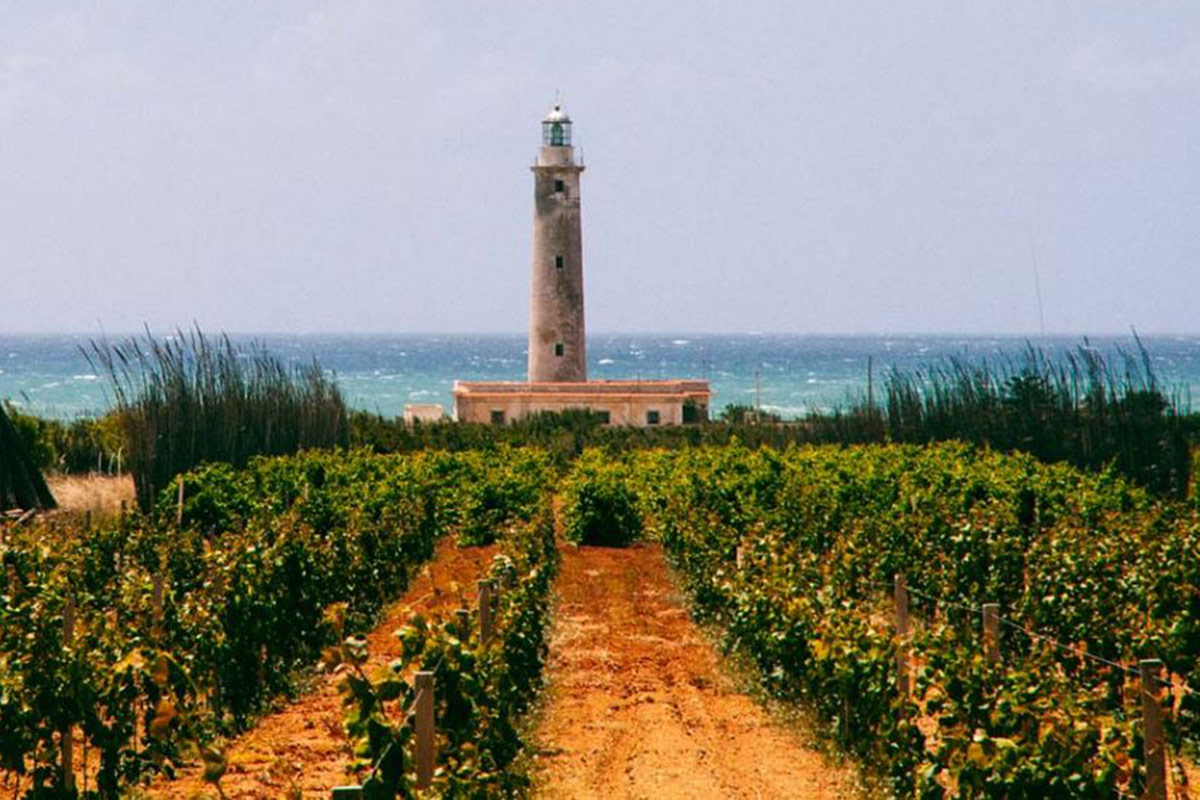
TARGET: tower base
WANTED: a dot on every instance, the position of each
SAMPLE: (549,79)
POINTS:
(637,403)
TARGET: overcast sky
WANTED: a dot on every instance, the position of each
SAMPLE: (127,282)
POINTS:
(795,167)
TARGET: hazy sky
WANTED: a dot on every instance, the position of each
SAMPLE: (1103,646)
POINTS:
(794,166)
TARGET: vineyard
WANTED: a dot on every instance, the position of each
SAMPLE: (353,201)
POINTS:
(796,554)
(149,637)
(131,646)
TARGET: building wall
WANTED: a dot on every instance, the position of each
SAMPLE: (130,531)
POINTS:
(425,412)
(627,410)
(556,294)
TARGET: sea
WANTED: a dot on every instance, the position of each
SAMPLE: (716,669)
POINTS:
(51,375)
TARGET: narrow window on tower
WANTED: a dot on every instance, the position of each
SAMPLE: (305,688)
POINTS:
(558,349)
(558,263)
(559,187)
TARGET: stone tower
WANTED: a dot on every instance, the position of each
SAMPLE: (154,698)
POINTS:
(556,338)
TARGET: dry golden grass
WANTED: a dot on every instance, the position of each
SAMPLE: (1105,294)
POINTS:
(99,493)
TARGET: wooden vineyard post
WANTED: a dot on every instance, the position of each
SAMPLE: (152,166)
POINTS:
(424,729)
(179,505)
(1152,726)
(741,558)
(156,606)
(991,632)
(486,591)
(902,677)
(67,735)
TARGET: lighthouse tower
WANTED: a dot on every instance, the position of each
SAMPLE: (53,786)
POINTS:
(556,337)
(557,358)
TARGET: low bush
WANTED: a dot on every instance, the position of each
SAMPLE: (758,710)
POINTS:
(598,505)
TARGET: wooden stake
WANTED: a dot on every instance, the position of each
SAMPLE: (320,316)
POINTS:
(486,591)
(902,677)
(67,735)
(991,632)
(156,605)
(740,558)
(424,729)
(1152,724)
(179,505)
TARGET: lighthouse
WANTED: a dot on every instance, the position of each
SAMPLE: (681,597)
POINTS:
(557,379)
(557,350)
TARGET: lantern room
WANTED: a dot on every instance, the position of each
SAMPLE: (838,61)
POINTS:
(556,128)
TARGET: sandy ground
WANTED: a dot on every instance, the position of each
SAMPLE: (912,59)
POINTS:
(102,493)
(638,706)
(302,750)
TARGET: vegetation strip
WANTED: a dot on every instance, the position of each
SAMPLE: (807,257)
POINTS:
(1081,558)
(183,634)
(483,671)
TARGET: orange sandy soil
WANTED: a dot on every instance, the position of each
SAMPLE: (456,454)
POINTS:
(302,750)
(638,706)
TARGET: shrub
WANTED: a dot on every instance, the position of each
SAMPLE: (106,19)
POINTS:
(599,507)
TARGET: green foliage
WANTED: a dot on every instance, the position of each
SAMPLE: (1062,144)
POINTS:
(1082,409)
(482,689)
(187,400)
(1083,558)
(599,507)
(273,563)
(79,446)
(494,486)
(742,414)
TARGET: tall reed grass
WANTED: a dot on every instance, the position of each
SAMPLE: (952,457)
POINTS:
(188,399)
(1085,409)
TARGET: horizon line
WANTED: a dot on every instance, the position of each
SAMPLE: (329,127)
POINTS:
(216,332)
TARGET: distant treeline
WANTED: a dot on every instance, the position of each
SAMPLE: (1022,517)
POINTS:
(188,400)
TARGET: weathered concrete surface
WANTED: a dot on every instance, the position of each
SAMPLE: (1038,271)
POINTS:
(627,402)
(556,294)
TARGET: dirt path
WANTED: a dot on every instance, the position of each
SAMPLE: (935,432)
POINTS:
(638,707)
(301,750)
